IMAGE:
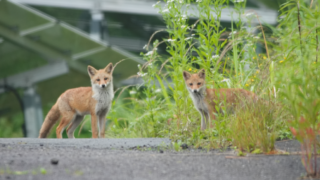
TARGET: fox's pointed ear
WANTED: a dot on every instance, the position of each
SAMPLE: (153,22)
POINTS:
(91,71)
(202,73)
(109,68)
(186,75)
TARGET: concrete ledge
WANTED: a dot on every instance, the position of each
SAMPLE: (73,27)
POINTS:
(92,143)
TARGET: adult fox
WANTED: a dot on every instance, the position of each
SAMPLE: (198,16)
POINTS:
(73,104)
(206,100)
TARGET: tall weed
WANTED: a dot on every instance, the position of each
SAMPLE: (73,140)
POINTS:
(298,75)
(162,107)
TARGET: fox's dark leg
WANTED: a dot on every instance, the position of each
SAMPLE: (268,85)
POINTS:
(102,124)
(67,117)
(207,116)
(102,121)
(74,124)
(203,121)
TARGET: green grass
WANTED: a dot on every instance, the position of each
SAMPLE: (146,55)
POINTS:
(164,109)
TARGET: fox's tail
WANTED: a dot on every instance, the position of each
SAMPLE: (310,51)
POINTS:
(51,118)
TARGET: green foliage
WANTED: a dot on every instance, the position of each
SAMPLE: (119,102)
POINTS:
(257,127)
(298,76)
(12,126)
(161,106)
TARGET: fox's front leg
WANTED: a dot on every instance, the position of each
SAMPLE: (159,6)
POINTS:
(102,125)
(203,121)
(102,122)
(208,120)
(94,125)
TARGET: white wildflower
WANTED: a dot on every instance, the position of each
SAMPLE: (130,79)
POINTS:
(198,0)
(192,34)
(188,38)
(225,80)
(237,1)
(157,90)
(215,56)
(171,40)
(166,10)
(234,32)
(149,53)
(183,26)
(132,92)
(184,16)
(145,46)
(142,74)
(139,65)
(156,4)
(256,37)
(181,1)
(249,14)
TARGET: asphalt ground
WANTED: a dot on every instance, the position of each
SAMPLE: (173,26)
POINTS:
(139,159)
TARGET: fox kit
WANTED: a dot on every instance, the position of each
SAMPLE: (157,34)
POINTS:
(205,100)
(73,104)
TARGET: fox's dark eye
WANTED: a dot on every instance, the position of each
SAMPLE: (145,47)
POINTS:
(199,83)
(105,78)
(98,79)
(190,84)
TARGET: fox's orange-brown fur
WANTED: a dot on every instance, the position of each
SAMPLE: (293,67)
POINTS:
(206,100)
(73,104)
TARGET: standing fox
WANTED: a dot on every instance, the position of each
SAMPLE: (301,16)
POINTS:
(73,104)
(205,100)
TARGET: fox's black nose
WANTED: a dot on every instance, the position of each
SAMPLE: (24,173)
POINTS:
(103,85)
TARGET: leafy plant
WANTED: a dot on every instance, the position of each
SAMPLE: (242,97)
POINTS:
(160,107)
(298,75)
(306,133)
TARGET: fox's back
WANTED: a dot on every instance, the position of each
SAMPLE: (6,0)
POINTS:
(229,96)
(77,99)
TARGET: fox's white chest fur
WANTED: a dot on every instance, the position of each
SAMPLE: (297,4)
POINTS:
(198,100)
(104,97)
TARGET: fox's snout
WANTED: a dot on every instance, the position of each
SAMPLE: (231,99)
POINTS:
(103,85)
(195,90)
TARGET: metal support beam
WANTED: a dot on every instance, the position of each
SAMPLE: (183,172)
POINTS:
(51,53)
(31,77)
(40,49)
(35,29)
(144,7)
(33,112)
(95,24)
(128,54)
